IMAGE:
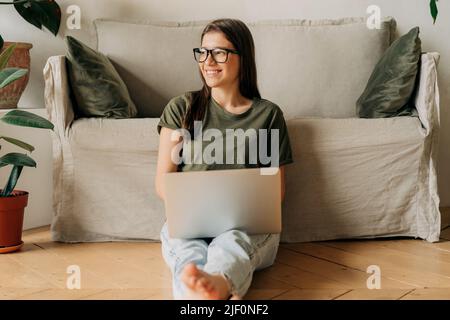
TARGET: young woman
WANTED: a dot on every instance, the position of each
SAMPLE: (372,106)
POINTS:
(220,267)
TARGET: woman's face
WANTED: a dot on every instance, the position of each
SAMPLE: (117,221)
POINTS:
(229,71)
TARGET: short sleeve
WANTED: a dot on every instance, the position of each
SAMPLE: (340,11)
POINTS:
(285,151)
(173,113)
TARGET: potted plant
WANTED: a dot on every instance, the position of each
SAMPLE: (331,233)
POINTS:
(39,13)
(13,202)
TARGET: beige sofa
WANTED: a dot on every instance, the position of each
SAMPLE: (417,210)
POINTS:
(351,177)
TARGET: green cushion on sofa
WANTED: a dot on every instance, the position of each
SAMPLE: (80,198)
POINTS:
(390,87)
(96,86)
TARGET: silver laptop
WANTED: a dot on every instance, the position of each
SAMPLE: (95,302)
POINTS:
(203,204)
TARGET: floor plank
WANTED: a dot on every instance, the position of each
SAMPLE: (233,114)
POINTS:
(374,294)
(350,277)
(42,263)
(60,294)
(391,276)
(7,293)
(119,270)
(420,248)
(410,269)
(54,267)
(131,294)
(263,294)
(417,269)
(428,294)
(265,288)
(301,279)
(16,275)
(311,294)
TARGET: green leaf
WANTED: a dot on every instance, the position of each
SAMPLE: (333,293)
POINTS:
(434,9)
(17,159)
(45,13)
(12,181)
(5,55)
(24,9)
(9,75)
(18,143)
(26,119)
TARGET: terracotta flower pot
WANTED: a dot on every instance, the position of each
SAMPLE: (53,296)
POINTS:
(11,220)
(10,95)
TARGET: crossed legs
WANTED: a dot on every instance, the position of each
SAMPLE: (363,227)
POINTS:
(216,270)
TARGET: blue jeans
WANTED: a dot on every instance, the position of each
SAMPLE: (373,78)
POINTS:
(233,254)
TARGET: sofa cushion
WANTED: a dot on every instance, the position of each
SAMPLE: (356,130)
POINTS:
(97,87)
(390,87)
(307,67)
(105,135)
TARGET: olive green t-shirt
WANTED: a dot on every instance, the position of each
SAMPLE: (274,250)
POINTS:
(219,144)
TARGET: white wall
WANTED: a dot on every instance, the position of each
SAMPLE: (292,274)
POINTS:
(408,13)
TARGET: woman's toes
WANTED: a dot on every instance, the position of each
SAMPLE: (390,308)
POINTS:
(209,286)
(190,269)
(191,282)
(190,275)
(202,284)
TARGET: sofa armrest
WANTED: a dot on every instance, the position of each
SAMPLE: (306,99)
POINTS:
(427,105)
(57,95)
(427,93)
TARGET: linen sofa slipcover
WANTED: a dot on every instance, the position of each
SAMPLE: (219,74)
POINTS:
(351,177)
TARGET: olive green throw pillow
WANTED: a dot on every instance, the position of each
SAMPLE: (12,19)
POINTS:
(96,86)
(390,87)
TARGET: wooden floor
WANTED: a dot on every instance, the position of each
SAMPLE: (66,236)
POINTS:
(410,269)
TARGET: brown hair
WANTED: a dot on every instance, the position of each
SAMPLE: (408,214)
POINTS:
(240,36)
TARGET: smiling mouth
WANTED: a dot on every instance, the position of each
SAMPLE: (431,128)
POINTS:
(212,72)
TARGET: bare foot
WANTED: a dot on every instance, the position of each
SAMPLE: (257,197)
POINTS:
(204,286)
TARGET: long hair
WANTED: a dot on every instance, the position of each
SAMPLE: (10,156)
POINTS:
(240,36)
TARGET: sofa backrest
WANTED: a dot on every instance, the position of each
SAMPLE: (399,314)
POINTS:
(310,68)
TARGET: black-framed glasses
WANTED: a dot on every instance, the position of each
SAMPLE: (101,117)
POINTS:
(220,55)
